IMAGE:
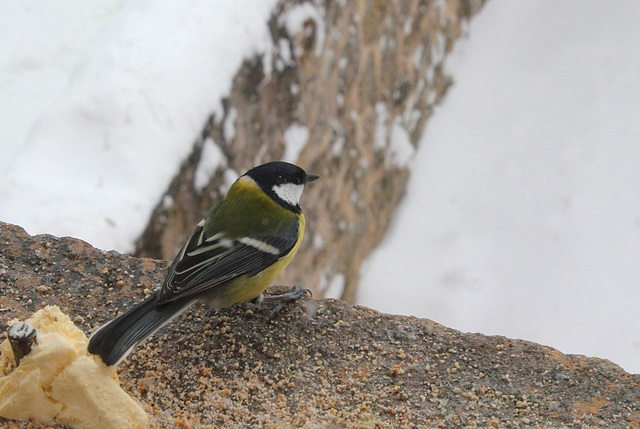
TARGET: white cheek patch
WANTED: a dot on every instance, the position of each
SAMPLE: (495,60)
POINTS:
(289,192)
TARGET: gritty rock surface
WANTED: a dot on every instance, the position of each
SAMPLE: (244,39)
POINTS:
(321,363)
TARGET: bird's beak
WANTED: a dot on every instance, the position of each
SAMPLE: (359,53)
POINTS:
(311,178)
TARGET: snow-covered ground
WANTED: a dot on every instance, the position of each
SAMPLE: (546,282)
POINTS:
(522,216)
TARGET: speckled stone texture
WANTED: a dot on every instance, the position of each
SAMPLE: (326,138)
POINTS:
(321,363)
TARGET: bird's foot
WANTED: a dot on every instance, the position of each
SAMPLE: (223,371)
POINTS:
(294,294)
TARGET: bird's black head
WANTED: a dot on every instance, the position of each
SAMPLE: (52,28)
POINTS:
(282,181)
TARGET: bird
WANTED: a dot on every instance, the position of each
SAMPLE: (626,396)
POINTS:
(232,256)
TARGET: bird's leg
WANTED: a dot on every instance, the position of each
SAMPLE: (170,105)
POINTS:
(294,294)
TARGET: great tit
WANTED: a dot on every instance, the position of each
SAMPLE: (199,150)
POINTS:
(232,256)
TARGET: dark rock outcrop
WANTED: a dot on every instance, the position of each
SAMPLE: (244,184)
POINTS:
(321,363)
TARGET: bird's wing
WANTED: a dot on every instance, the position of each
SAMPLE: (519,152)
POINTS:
(203,264)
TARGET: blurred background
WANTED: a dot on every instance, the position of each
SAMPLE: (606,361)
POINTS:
(479,160)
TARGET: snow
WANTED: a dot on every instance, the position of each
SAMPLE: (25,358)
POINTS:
(295,19)
(522,215)
(401,149)
(100,101)
(335,286)
(331,284)
(211,158)
(229,125)
(393,139)
(382,120)
(295,139)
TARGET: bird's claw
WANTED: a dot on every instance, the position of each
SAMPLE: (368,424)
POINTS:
(294,294)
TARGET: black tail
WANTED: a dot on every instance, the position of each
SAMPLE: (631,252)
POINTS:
(115,340)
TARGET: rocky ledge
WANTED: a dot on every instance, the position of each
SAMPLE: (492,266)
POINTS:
(321,363)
